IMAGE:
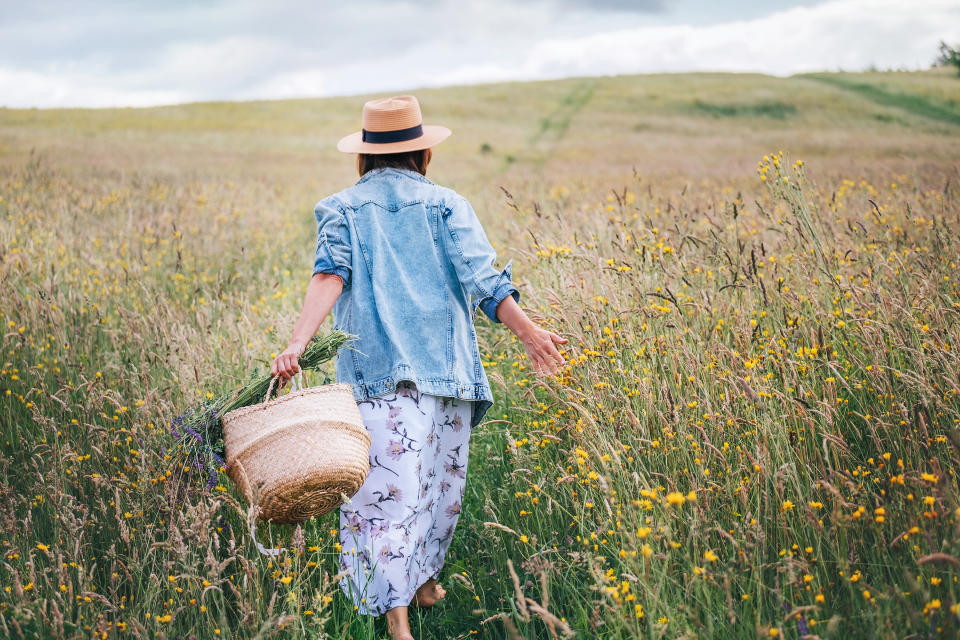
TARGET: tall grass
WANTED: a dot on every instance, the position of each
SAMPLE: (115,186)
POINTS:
(756,432)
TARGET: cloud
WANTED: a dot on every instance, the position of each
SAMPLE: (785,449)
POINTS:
(843,34)
(120,54)
(28,88)
(643,6)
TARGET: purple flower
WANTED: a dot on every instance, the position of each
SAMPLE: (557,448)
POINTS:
(455,469)
(453,509)
(395,449)
(457,423)
(444,486)
(355,523)
(394,412)
(394,492)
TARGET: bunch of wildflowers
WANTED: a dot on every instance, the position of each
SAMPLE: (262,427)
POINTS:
(199,429)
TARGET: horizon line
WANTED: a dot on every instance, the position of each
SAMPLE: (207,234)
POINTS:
(160,105)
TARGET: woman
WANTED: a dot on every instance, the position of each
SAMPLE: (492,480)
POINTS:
(404,264)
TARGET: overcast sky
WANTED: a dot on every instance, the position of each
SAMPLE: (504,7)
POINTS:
(112,53)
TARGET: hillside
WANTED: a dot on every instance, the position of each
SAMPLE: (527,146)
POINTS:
(755,434)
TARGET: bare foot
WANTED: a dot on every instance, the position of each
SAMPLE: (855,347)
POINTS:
(398,626)
(428,594)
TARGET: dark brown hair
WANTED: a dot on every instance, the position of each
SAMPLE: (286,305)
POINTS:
(412,160)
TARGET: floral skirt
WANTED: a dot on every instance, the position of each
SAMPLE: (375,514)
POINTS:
(395,531)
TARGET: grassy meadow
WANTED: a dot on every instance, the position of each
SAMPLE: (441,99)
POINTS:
(756,435)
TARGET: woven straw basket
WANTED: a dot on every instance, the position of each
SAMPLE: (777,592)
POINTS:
(295,455)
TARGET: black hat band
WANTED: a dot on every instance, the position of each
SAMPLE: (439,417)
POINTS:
(400,135)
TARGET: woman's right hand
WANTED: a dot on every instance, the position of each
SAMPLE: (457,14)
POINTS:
(287,363)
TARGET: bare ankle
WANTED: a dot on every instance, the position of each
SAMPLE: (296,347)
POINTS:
(398,625)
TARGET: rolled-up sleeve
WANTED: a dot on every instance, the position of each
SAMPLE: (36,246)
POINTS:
(334,253)
(473,257)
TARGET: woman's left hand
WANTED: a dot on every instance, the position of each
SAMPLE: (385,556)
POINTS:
(541,348)
(287,363)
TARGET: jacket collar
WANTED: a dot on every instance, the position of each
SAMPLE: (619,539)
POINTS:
(394,171)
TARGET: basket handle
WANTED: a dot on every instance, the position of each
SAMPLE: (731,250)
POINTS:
(293,378)
(262,549)
(251,517)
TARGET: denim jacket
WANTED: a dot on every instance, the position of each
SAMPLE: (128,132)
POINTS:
(415,264)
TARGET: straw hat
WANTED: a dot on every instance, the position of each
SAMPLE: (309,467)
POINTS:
(393,125)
